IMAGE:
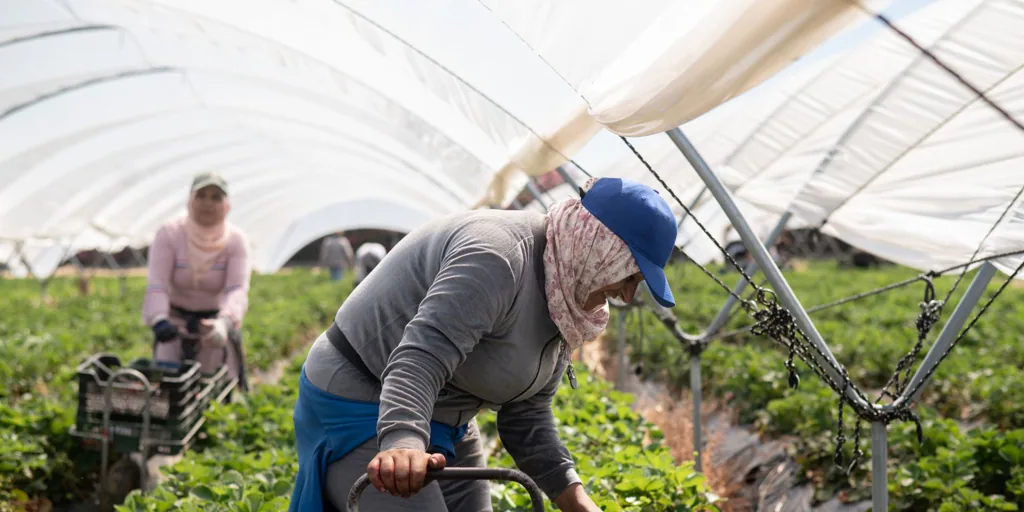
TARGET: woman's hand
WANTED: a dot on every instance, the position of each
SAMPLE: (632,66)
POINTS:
(401,472)
(215,330)
(575,499)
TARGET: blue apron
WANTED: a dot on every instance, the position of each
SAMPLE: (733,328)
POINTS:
(328,427)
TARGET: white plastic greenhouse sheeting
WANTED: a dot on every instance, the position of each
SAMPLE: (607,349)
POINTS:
(937,166)
(769,149)
(654,57)
(108,108)
(718,133)
(657,64)
(767,169)
(651,65)
(930,168)
(719,139)
(922,202)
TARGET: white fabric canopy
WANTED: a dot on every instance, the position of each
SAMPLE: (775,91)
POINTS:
(928,169)
(910,164)
(651,65)
(767,168)
(108,108)
(332,114)
(772,140)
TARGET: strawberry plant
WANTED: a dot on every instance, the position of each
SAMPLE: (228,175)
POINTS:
(982,382)
(42,342)
(624,465)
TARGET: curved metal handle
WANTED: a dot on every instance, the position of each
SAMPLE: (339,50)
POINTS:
(460,474)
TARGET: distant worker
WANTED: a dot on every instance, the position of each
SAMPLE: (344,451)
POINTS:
(368,256)
(336,255)
(198,283)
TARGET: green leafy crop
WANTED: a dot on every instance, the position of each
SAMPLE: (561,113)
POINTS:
(980,385)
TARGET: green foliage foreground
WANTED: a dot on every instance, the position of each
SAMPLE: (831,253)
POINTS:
(622,470)
(248,461)
(972,411)
(42,341)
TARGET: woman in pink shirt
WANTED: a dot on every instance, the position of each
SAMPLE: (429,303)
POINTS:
(198,282)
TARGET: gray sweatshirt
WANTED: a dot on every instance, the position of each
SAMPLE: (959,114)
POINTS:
(455,320)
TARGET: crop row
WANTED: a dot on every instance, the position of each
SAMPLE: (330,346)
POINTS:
(620,456)
(972,412)
(43,340)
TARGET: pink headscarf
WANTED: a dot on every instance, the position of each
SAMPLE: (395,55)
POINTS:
(205,243)
(582,256)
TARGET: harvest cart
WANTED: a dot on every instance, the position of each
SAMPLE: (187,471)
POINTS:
(536,498)
(140,410)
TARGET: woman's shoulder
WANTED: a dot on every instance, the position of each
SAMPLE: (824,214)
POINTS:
(509,235)
(497,229)
(237,239)
(171,229)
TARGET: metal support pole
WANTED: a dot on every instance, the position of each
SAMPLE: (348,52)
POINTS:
(535,192)
(879,470)
(111,261)
(621,383)
(669,320)
(723,314)
(695,393)
(122,276)
(567,177)
(77,263)
(949,333)
(137,255)
(767,264)
(28,267)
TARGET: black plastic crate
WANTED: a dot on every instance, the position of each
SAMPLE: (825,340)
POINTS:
(170,439)
(174,389)
(207,388)
(165,437)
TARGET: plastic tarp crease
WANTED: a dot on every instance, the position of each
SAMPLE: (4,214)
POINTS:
(667,62)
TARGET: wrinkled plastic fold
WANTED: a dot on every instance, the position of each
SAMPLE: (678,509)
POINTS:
(888,151)
(655,65)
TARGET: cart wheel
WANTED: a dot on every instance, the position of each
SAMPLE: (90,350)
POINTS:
(123,477)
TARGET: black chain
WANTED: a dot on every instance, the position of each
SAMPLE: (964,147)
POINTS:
(794,379)
(964,332)
(857,453)
(890,287)
(837,459)
(931,311)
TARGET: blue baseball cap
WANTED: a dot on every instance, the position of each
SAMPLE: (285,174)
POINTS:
(639,216)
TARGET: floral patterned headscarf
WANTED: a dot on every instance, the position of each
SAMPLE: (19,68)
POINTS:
(582,256)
